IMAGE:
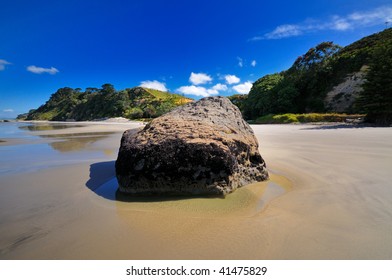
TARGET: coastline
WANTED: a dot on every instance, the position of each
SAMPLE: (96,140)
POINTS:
(337,204)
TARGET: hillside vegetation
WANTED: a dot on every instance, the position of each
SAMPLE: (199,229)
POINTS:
(304,86)
(356,79)
(93,103)
(308,118)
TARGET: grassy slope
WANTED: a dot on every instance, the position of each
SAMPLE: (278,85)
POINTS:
(163,95)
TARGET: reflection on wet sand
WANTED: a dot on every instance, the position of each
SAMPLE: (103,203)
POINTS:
(72,135)
(43,127)
(66,142)
(70,142)
(74,144)
(74,141)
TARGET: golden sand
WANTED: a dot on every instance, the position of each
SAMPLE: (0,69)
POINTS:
(329,197)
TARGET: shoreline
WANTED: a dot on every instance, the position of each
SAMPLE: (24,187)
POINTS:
(108,121)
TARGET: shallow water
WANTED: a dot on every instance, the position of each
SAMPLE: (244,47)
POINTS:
(30,147)
(43,127)
(245,201)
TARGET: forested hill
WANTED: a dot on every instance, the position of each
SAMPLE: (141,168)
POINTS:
(329,78)
(93,103)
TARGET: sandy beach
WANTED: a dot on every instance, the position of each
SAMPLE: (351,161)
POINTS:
(329,197)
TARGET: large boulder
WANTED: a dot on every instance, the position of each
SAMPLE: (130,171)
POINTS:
(204,147)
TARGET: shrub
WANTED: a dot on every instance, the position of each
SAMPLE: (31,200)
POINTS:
(276,119)
(306,118)
(134,113)
(286,118)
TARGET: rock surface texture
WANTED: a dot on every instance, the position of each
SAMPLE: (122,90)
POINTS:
(204,147)
(342,97)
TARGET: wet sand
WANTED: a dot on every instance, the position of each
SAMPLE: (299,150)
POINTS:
(329,197)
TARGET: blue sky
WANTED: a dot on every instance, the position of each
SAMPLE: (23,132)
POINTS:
(198,48)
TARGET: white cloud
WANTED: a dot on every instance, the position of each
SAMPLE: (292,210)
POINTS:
(3,63)
(240,61)
(284,31)
(202,91)
(39,70)
(377,16)
(243,88)
(199,78)
(253,63)
(232,79)
(339,24)
(8,110)
(197,91)
(220,87)
(154,85)
(257,38)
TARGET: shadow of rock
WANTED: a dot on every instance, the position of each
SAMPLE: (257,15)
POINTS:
(103,182)
(159,198)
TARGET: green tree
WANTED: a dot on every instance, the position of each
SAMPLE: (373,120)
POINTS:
(239,100)
(261,100)
(286,98)
(376,98)
(149,111)
(58,107)
(311,74)
(317,56)
(134,113)
(107,89)
(165,107)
